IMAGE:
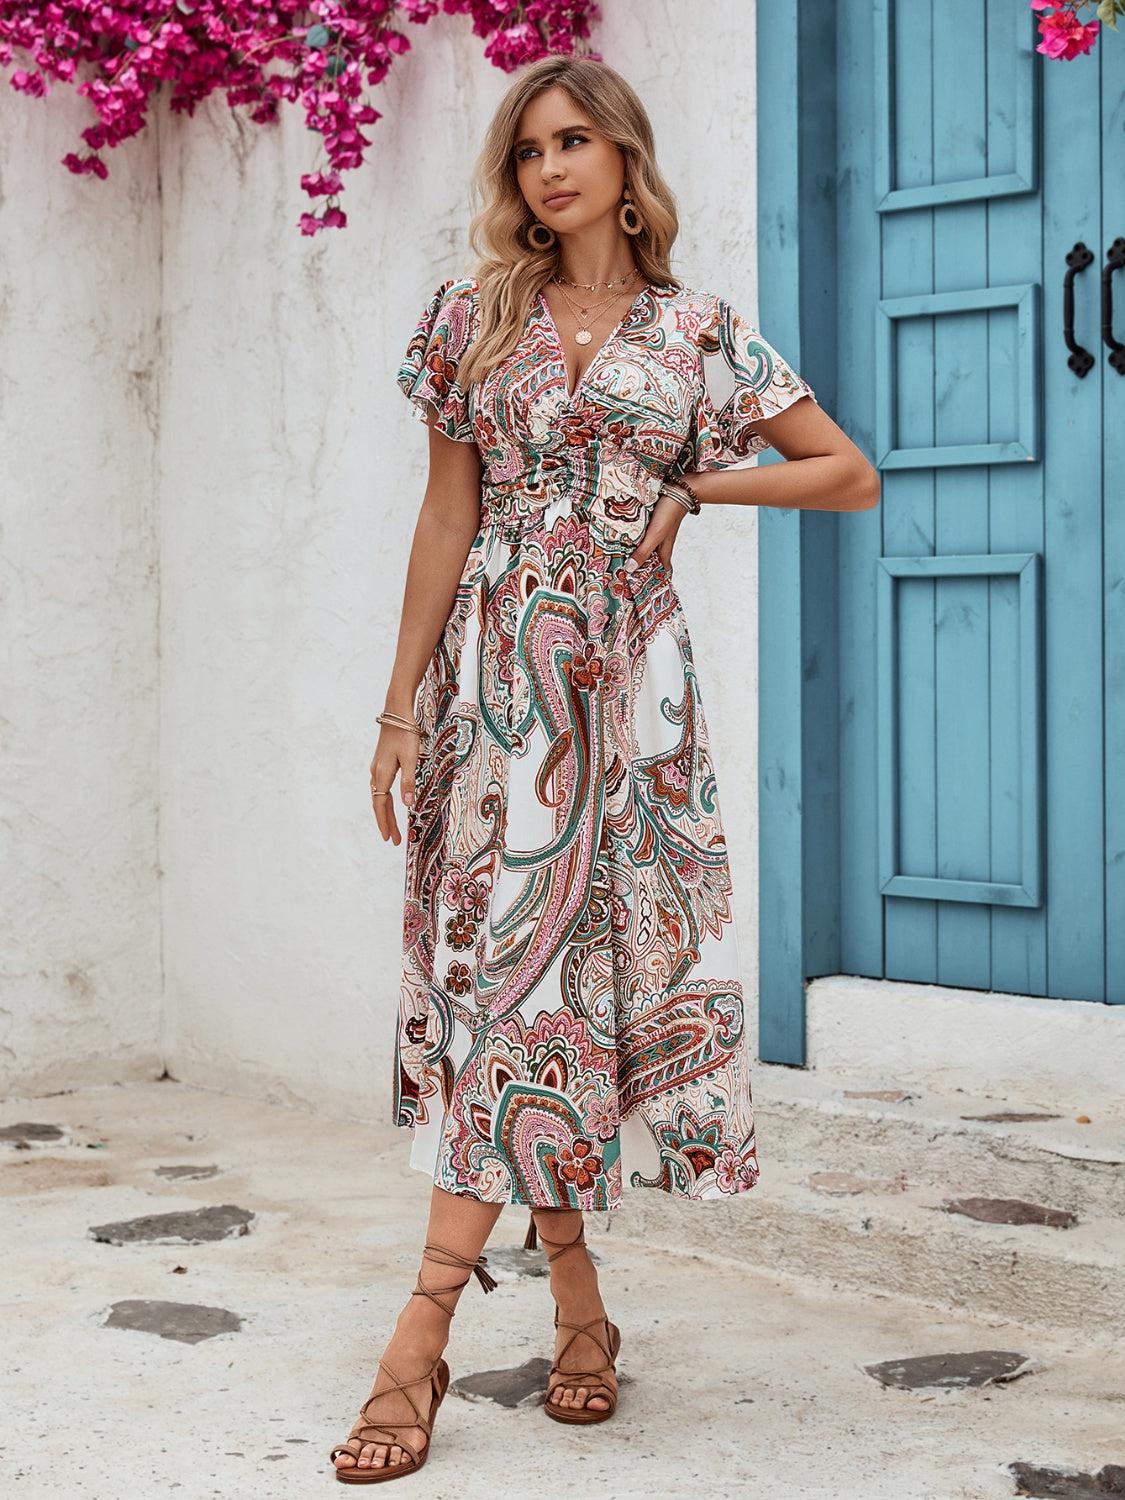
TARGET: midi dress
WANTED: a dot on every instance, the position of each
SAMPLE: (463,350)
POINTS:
(571,1014)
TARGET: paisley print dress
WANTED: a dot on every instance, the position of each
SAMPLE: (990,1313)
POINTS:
(571,1014)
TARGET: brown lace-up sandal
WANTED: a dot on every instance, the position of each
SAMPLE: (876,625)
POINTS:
(436,1377)
(593,1380)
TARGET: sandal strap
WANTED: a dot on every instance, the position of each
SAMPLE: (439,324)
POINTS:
(591,1379)
(592,1382)
(396,1442)
(586,1329)
(447,1257)
(423,1418)
(364,1424)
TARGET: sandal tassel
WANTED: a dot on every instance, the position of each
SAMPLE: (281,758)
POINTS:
(487,1281)
(530,1239)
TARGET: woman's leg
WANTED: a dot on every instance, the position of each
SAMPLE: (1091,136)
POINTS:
(457,1223)
(574,1285)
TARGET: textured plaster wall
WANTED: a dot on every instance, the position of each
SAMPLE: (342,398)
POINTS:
(80,978)
(291,474)
(210,484)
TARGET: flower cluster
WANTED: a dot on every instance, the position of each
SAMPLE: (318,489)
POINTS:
(734,1173)
(579,1163)
(322,54)
(1064,34)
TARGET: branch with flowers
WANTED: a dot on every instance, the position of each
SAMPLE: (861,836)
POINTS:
(1063,31)
(325,55)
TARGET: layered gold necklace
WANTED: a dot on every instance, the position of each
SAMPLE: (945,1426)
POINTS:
(583,315)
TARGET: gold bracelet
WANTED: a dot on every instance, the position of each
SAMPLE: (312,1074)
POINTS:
(673,492)
(681,491)
(399,722)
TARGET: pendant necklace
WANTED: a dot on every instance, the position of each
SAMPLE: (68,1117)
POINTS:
(582,317)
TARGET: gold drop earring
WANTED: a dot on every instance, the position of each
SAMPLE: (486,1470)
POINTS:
(540,236)
(627,215)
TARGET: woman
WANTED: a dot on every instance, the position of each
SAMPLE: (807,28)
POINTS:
(571,1013)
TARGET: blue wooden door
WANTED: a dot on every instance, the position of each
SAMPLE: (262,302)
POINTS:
(981,606)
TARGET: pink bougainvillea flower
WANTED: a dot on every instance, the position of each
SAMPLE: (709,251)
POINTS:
(28,83)
(316,184)
(80,165)
(322,55)
(1065,36)
(1063,33)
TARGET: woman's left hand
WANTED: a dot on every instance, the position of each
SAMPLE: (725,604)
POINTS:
(660,533)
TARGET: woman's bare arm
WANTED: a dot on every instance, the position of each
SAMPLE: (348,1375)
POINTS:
(448,521)
(826,471)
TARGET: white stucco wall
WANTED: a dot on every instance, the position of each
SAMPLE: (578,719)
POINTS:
(291,474)
(170,336)
(80,978)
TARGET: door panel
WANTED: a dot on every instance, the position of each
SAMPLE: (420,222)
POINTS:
(974,675)
(1074,483)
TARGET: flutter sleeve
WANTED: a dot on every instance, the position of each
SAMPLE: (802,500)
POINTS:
(744,380)
(427,375)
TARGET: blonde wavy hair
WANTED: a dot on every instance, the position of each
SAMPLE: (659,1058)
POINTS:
(509,273)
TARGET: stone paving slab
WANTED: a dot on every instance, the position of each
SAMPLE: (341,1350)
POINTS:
(737,1383)
(1049,1151)
(192,1227)
(969,1367)
(189,1322)
(903,1239)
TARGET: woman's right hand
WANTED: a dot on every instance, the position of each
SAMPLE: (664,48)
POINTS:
(397,750)
(664,522)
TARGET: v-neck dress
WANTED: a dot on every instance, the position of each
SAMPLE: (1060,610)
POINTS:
(571,1016)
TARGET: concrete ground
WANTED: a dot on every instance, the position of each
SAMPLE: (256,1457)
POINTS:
(734,1382)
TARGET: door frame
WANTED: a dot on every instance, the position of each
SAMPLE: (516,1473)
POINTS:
(798,650)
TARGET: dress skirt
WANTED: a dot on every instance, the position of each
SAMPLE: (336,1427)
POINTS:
(571,1016)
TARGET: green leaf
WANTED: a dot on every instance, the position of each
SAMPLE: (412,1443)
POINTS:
(317,36)
(1107,13)
(335,66)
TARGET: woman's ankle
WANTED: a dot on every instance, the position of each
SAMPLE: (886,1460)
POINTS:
(575,1279)
(422,1326)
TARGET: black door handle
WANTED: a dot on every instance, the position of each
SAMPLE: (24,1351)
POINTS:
(1115,259)
(1081,361)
